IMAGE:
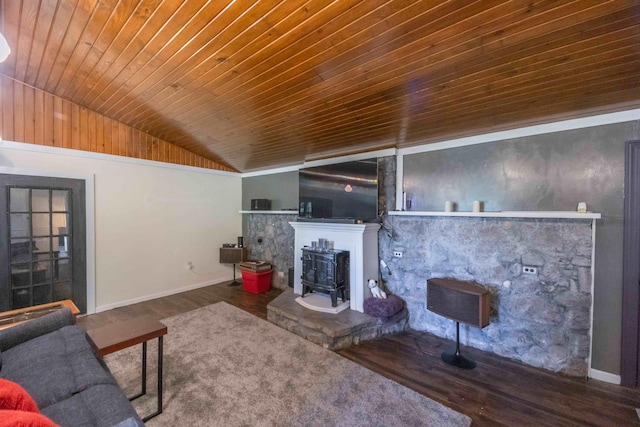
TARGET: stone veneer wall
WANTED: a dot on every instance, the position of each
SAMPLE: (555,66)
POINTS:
(542,320)
(270,237)
(386,184)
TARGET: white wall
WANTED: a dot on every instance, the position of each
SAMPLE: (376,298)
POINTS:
(150,220)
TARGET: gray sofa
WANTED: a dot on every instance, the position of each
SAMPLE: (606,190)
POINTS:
(52,360)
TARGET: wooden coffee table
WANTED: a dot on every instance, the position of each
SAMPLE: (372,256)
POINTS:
(120,335)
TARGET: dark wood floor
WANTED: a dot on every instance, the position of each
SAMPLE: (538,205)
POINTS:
(498,392)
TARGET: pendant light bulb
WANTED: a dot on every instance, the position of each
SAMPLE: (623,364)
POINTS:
(5,50)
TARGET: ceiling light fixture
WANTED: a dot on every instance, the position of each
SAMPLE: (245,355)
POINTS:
(5,50)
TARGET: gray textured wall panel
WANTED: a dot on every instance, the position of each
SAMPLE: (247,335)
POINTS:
(280,188)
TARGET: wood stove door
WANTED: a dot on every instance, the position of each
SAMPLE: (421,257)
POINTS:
(342,269)
(325,271)
(308,267)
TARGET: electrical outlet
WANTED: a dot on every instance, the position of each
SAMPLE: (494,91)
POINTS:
(397,254)
(527,269)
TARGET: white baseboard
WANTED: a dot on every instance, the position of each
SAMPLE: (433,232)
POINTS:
(605,376)
(111,306)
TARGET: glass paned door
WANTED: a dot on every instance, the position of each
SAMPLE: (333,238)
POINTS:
(42,241)
(40,224)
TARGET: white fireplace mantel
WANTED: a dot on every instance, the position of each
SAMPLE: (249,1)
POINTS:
(361,240)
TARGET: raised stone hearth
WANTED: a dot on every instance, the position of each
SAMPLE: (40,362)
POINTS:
(332,331)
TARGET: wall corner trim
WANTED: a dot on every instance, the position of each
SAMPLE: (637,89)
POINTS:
(604,376)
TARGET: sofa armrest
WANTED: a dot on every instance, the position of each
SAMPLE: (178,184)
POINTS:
(50,322)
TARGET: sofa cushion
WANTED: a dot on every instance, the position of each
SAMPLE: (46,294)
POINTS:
(9,418)
(100,405)
(14,397)
(10,337)
(55,366)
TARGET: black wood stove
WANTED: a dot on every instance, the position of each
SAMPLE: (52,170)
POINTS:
(326,271)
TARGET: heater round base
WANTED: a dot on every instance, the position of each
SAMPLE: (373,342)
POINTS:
(458,360)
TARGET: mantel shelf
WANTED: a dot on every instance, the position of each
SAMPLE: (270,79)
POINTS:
(505,214)
(271,212)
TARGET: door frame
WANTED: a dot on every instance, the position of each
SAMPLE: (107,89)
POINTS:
(630,357)
(90,243)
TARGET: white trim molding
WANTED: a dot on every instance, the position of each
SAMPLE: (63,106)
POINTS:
(604,376)
(166,293)
(584,122)
(22,146)
(328,161)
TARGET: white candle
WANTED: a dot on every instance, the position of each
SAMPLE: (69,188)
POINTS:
(582,207)
(476,206)
(448,206)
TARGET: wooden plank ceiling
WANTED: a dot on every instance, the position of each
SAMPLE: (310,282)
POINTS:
(258,84)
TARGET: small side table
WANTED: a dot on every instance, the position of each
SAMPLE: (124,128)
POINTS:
(120,335)
(233,256)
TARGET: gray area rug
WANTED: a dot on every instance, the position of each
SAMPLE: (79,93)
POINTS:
(226,367)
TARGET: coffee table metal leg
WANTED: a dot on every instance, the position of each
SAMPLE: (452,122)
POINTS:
(160,363)
(144,377)
(144,373)
(144,367)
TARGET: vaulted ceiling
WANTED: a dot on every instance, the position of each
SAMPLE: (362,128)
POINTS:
(258,84)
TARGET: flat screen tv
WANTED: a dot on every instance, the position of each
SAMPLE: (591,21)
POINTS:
(341,191)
